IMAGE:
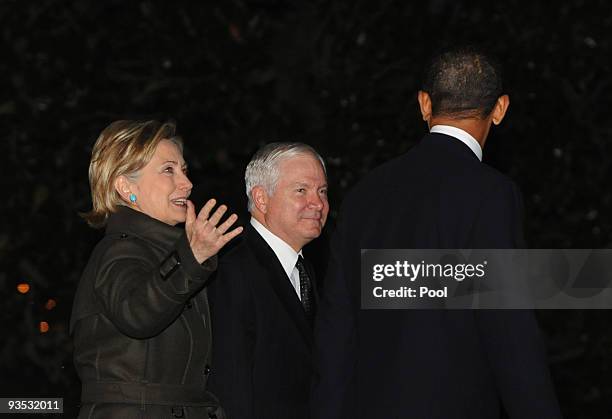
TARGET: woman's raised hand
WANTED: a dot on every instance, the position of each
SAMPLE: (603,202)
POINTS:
(205,237)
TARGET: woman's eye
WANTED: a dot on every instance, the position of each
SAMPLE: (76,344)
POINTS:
(300,190)
(169,169)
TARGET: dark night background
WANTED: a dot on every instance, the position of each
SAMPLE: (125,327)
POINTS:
(340,75)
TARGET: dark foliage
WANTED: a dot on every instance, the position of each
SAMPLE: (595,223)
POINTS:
(340,75)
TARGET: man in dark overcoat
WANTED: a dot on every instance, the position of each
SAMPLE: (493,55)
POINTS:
(432,364)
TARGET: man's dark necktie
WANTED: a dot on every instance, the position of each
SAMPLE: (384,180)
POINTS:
(305,289)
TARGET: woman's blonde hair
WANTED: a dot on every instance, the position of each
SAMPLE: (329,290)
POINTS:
(122,149)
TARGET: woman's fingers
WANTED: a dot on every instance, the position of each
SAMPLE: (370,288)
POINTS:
(227,224)
(216,217)
(227,237)
(204,237)
(205,211)
(191,217)
(190,220)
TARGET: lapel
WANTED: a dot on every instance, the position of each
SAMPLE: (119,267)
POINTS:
(277,278)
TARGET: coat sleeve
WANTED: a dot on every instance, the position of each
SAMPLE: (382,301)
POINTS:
(142,296)
(336,336)
(233,324)
(511,338)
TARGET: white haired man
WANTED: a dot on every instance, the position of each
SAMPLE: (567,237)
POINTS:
(264,298)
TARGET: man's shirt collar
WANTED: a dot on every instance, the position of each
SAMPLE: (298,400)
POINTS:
(461,135)
(285,253)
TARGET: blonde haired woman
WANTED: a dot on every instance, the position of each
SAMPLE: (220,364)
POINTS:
(140,319)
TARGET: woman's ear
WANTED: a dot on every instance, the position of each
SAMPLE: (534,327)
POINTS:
(123,187)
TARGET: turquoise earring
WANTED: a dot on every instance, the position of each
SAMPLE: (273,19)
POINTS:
(132,198)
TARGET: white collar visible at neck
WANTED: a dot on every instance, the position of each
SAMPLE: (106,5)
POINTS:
(285,253)
(461,135)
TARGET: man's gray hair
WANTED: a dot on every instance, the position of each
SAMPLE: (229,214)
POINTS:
(263,170)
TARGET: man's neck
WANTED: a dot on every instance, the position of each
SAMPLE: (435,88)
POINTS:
(476,127)
(257,216)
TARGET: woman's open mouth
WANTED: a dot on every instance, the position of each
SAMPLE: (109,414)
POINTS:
(180,202)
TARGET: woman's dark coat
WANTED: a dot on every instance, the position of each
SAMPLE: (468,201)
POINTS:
(141,324)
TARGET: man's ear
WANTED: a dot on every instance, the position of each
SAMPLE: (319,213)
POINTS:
(425,105)
(123,187)
(500,108)
(260,198)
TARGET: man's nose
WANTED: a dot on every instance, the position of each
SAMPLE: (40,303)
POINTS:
(316,201)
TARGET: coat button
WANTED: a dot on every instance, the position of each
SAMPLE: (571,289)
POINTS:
(206,369)
(124,236)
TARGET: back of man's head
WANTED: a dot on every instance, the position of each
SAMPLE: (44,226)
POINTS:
(462,82)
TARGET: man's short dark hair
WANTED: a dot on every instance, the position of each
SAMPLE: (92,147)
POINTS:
(463,82)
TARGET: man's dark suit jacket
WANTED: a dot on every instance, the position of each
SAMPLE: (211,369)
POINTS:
(427,364)
(262,351)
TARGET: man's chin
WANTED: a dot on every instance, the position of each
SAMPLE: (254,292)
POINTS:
(312,232)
